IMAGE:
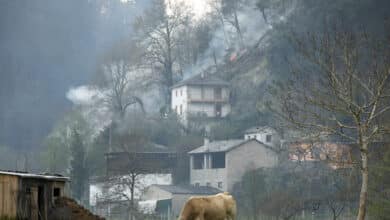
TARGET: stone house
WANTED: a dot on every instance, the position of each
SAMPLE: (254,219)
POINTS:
(221,164)
(203,95)
(29,196)
(168,200)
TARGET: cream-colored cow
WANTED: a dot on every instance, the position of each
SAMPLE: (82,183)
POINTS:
(221,206)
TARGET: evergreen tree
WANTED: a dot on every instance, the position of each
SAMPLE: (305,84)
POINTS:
(78,173)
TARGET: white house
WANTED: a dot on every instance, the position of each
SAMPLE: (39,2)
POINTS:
(221,164)
(264,134)
(201,95)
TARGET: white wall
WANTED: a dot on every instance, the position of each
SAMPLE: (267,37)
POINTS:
(262,137)
(190,98)
(179,98)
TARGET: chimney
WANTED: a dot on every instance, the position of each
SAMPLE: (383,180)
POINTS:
(206,141)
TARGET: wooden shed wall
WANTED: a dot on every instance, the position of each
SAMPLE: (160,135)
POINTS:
(9,186)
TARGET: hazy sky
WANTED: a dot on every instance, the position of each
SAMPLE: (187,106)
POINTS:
(47,47)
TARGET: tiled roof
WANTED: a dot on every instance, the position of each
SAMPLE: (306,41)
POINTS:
(202,79)
(189,189)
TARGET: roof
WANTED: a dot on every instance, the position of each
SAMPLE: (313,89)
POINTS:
(218,146)
(149,147)
(189,189)
(202,79)
(54,177)
(258,129)
(224,146)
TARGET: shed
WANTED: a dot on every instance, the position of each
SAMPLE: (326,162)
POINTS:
(171,198)
(29,196)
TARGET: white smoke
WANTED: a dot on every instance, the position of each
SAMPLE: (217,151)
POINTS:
(90,103)
(82,95)
(225,39)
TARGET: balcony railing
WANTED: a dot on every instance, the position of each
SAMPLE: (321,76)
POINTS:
(209,100)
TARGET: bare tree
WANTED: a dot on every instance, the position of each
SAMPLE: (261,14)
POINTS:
(120,93)
(121,74)
(159,31)
(124,185)
(230,9)
(340,87)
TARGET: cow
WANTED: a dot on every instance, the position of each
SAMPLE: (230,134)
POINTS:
(221,206)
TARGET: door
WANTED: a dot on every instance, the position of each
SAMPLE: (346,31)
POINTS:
(41,203)
(34,203)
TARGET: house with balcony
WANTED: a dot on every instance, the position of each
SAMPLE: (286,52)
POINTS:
(221,164)
(203,95)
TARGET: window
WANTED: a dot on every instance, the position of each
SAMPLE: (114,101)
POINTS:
(57,192)
(218,110)
(176,92)
(197,162)
(218,160)
(181,92)
(268,138)
(28,190)
(208,184)
(181,110)
(197,184)
(220,185)
(217,93)
(202,92)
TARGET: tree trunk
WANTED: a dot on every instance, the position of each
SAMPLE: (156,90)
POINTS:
(364,187)
(237,24)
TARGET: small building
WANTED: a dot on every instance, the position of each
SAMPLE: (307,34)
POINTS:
(264,134)
(221,164)
(168,200)
(29,196)
(203,95)
(148,158)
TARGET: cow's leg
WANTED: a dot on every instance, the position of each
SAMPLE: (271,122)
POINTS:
(200,217)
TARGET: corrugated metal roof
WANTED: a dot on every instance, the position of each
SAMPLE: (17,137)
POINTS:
(55,177)
(189,189)
(202,79)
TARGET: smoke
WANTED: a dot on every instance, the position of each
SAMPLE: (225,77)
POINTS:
(82,95)
(225,41)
